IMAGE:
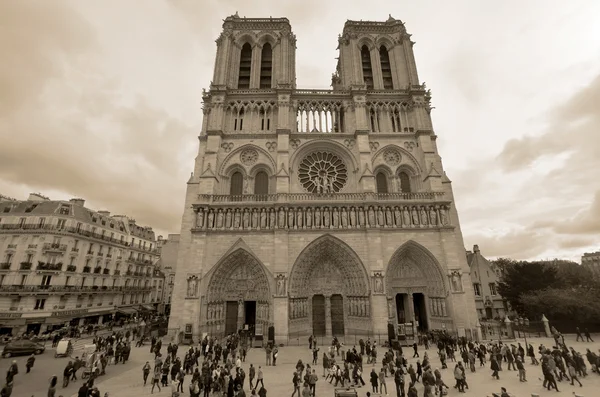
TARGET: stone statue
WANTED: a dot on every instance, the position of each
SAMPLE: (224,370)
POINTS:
(293,308)
(254,218)
(372,217)
(362,307)
(405,217)
(220,219)
(246,219)
(415,216)
(361,217)
(272,216)
(389,218)
(236,219)
(444,308)
(309,218)
(456,282)
(317,182)
(200,218)
(318,217)
(326,217)
(367,308)
(424,217)
(281,286)
(336,218)
(263,218)
(228,219)
(398,216)
(380,217)
(378,285)
(444,216)
(211,219)
(352,217)
(290,218)
(211,312)
(192,283)
(432,216)
(299,218)
(281,223)
(344,218)
(390,308)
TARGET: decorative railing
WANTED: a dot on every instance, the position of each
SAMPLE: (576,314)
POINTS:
(117,272)
(105,271)
(5,266)
(86,269)
(12,246)
(326,197)
(71,268)
(53,247)
(334,216)
(97,270)
(65,230)
(57,267)
(26,266)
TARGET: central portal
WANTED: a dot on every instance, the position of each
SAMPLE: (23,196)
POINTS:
(318,315)
(250,316)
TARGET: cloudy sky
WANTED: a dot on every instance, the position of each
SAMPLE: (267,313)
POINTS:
(101,100)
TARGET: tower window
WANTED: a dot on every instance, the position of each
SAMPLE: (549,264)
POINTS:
(386,69)
(237,184)
(266,66)
(381,180)
(245,67)
(404,182)
(365,56)
(261,184)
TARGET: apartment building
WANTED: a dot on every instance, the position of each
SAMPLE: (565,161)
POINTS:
(62,263)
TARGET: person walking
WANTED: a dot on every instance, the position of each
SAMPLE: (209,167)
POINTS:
(382,384)
(29,363)
(156,379)
(588,337)
(259,377)
(521,369)
(415,347)
(145,372)
(374,381)
(494,367)
(52,386)
(458,375)
(573,374)
(578,331)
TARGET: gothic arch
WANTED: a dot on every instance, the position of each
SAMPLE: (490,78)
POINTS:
(407,158)
(244,37)
(365,40)
(263,155)
(325,144)
(385,41)
(266,37)
(239,275)
(414,267)
(328,265)
(261,167)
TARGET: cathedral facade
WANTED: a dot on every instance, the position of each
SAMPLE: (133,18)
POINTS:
(322,212)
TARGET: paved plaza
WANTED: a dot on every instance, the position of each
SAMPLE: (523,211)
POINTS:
(125,380)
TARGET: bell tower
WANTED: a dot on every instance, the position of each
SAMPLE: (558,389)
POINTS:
(255,53)
(376,56)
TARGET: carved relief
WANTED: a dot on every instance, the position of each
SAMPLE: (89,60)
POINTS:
(227,146)
(378,283)
(322,172)
(409,146)
(294,143)
(349,143)
(281,285)
(456,281)
(271,146)
(374,146)
(192,286)
(249,156)
(392,157)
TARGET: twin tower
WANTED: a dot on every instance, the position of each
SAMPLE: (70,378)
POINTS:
(323,212)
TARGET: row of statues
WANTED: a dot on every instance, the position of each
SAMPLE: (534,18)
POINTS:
(216,311)
(298,308)
(413,216)
(359,306)
(438,307)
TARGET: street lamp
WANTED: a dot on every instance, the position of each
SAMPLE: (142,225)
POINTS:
(523,322)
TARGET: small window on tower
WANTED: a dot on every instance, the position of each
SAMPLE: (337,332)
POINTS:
(245,67)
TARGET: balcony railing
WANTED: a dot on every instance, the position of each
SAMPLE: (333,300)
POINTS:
(87,269)
(66,230)
(26,266)
(324,197)
(12,246)
(49,266)
(129,273)
(5,266)
(74,249)
(97,270)
(105,271)
(54,247)
(108,256)
(117,272)
(32,246)
(100,254)
(71,268)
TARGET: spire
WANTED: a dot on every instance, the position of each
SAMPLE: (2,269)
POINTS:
(391,18)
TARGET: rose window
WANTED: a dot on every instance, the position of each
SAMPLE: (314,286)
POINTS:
(322,172)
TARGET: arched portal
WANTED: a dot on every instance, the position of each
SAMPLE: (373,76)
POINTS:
(416,289)
(238,294)
(329,290)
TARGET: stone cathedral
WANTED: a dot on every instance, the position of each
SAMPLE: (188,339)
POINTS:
(324,212)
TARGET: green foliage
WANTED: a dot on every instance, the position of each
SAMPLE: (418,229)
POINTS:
(578,304)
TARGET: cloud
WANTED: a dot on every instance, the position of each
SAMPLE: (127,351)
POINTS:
(72,131)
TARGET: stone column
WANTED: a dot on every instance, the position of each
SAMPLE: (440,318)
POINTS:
(409,308)
(328,315)
(280,319)
(240,320)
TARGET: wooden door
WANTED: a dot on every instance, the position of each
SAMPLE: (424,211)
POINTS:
(318,315)
(231,314)
(337,315)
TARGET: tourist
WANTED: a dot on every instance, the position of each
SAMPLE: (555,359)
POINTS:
(374,381)
(588,337)
(382,384)
(30,362)
(145,372)
(573,374)
(52,386)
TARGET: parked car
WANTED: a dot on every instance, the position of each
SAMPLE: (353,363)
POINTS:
(22,347)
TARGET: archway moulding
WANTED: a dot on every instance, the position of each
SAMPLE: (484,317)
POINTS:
(413,268)
(324,145)
(407,158)
(229,160)
(328,266)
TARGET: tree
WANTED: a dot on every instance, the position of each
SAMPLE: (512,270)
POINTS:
(565,305)
(521,277)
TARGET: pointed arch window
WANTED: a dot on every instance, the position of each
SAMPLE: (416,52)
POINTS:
(382,185)
(404,182)
(365,56)
(245,66)
(386,68)
(261,184)
(266,66)
(237,184)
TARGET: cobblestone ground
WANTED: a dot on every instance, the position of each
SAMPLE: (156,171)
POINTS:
(278,379)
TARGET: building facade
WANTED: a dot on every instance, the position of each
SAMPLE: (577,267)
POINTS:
(322,212)
(64,263)
(168,264)
(591,261)
(484,276)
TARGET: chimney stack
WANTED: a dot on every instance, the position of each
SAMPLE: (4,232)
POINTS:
(476,248)
(78,201)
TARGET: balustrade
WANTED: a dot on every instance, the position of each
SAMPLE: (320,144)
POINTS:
(410,216)
(324,197)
